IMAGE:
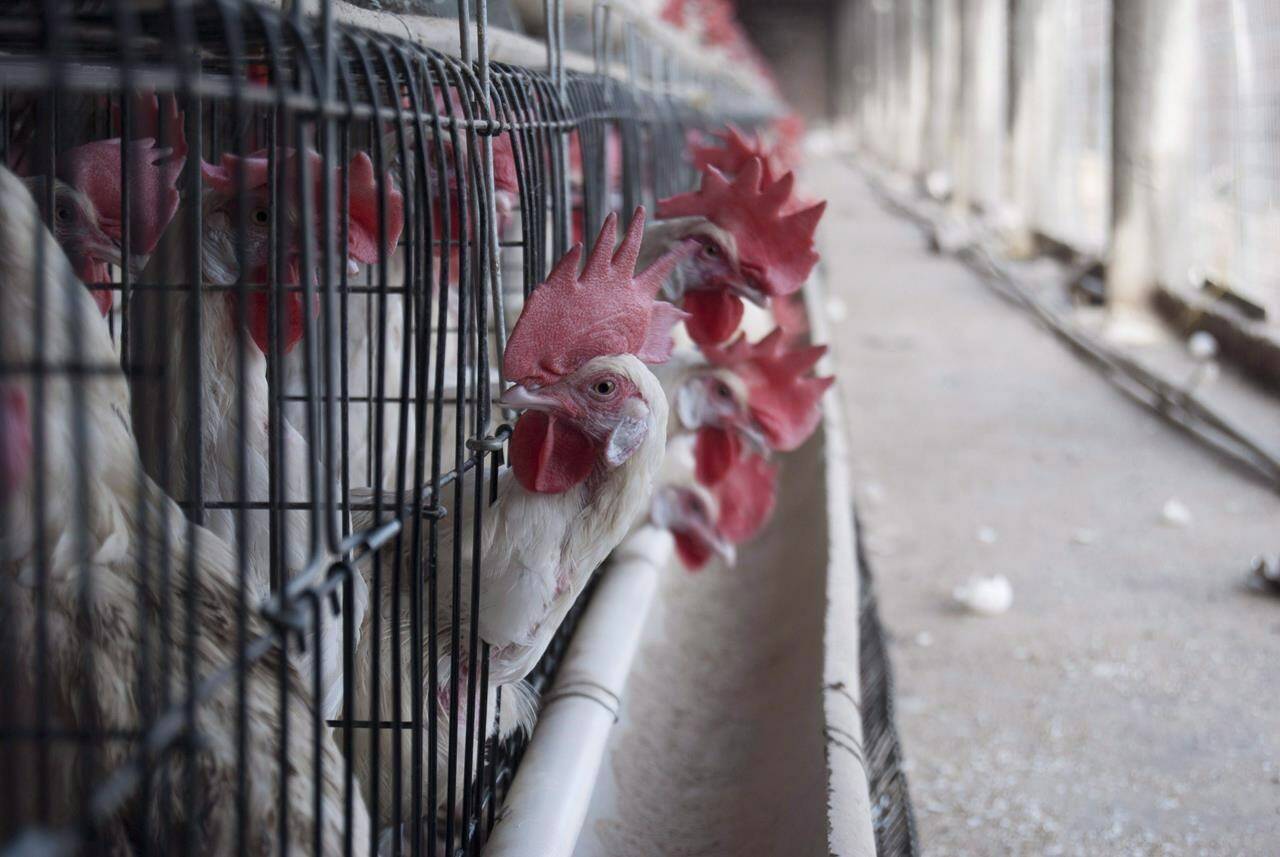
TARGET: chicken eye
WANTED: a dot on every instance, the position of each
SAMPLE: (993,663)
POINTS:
(711,249)
(604,388)
(62,213)
(260,216)
(723,391)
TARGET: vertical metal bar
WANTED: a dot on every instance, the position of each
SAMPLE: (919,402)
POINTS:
(233,32)
(375,598)
(277,130)
(437,445)
(397,704)
(555,45)
(494,249)
(46,142)
(459,497)
(420,250)
(348,591)
(308,73)
(184,46)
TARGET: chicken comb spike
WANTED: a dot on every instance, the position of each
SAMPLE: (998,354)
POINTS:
(783,399)
(771,238)
(747,495)
(733,152)
(606,310)
(362,235)
(94,170)
(147,122)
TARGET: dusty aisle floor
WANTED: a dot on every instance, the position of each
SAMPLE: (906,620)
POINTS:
(1127,703)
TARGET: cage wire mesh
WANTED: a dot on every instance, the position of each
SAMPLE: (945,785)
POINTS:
(1233,182)
(1007,104)
(1061,61)
(238,574)
(1009,107)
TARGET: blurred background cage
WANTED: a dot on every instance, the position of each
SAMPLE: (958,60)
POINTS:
(310,405)
(1143,133)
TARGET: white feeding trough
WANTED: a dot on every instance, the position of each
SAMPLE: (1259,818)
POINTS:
(735,692)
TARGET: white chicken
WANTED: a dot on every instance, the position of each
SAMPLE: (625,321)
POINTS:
(752,243)
(233,364)
(376,364)
(687,509)
(584,455)
(88,198)
(107,532)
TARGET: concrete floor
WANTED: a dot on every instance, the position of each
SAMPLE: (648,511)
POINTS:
(1126,703)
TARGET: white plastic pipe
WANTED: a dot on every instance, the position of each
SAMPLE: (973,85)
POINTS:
(548,802)
(849,826)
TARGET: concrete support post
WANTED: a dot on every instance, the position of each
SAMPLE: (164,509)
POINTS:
(1150,127)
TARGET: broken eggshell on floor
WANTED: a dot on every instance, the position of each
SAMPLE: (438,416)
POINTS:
(985,596)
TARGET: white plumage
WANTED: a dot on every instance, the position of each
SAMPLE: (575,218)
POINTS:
(163,415)
(113,561)
(538,551)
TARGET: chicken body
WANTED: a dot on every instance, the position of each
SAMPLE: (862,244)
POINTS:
(167,418)
(374,356)
(108,531)
(538,551)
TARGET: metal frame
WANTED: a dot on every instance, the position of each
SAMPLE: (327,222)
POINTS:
(247,76)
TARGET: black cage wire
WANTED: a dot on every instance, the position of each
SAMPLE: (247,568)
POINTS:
(196,681)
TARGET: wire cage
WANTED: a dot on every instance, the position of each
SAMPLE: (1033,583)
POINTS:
(1061,61)
(238,574)
(1228,187)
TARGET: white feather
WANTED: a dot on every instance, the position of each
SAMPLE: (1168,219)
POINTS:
(538,552)
(99,569)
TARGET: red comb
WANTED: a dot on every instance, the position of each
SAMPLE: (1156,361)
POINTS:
(731,151)
(715,451)
(789,131)
(362,243)
(608,309)
(791,316)
(774,240)
(673,12)
(782,398)
(147,122)
(747,495)
(94,170)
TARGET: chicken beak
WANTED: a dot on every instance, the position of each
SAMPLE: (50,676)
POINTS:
(107,251)
(712,539)
(521,398)
(755,438)
(750,294)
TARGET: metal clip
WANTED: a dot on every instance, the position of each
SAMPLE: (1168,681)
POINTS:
(343,570)
(491,443)
(287,620)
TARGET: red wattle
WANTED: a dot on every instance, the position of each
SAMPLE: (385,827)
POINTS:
(95,273)
(258,315)
(714,453)
(693,554)
(716,314)
(550,455)
(104,301)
